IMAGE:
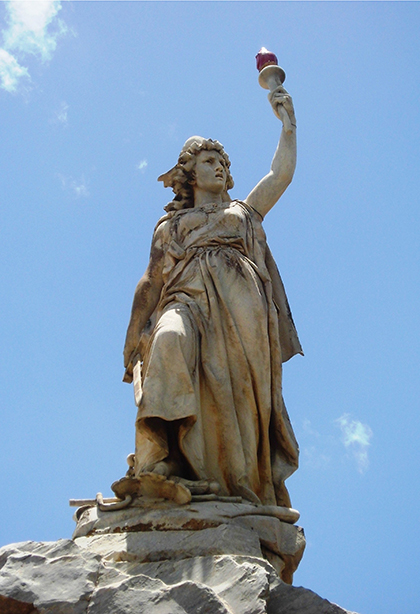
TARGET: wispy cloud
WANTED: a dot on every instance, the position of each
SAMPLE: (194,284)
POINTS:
(61,116)
(308,428)
(142,165)
(11,72)
(314,451)
(78,187)
(356,438)
(315,458)
(33,28)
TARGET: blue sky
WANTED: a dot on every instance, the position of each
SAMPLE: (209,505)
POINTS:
(96,101)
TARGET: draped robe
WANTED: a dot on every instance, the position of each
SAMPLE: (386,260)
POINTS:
(212,364)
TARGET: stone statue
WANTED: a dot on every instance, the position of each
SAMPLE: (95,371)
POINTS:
(210,327)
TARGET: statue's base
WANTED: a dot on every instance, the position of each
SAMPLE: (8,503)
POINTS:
(166,531)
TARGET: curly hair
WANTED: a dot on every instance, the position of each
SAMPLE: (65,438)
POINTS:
(181,177)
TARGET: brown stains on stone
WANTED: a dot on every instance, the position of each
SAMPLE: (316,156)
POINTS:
(194,524)
(142,526)
(197,524)
(232,262)
(13,606)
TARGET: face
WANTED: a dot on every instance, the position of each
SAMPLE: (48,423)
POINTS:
(210,174)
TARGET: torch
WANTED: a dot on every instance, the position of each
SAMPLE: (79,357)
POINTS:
(270,77)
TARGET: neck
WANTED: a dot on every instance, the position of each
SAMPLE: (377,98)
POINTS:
(203,197)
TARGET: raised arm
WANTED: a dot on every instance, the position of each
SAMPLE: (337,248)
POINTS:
(146,296)
(267,192)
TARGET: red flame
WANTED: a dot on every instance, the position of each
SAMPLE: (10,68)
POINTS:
(265,58)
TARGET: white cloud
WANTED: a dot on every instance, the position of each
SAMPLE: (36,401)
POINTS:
(78,187)
(33,28)
(141,166)
(356,437)
(11,72)
(30,27)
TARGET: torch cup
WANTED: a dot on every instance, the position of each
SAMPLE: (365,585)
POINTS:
(270,77)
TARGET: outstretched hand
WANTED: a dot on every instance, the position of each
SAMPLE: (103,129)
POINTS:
(282,104)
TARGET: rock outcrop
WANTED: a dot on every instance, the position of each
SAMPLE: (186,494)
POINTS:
(100,575)
(156,556)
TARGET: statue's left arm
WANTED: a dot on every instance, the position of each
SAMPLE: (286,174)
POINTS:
(267,192)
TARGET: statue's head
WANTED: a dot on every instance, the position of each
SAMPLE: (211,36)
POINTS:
(182,176)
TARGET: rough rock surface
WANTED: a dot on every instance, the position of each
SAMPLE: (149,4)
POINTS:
(84,577)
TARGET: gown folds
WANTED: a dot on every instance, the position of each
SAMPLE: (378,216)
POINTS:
(212,363)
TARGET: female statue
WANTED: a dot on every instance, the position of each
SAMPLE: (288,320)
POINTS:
(211,325)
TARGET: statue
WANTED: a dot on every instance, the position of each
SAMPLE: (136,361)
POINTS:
(210,327)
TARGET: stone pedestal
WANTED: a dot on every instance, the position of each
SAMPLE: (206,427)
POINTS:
(166,531)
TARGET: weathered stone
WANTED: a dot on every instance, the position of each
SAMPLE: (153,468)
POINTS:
(277,562)
(140,594)
(64,578)
(283,543)
(241,582)
(286,599)
(167,516)
(277,536)
(59,575)
(174,545)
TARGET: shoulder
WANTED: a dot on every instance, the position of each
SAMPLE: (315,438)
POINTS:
(162,229)
(163,220)
(255,215)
